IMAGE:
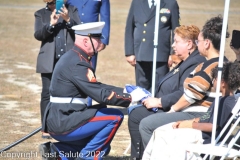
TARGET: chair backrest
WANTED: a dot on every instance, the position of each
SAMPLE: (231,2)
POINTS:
(234,121)
(235,117)
(219,150)
(231,144)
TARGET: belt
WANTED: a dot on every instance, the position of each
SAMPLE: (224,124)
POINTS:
(68,100)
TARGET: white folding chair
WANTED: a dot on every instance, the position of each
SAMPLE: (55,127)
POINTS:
(219,149)
(126,150)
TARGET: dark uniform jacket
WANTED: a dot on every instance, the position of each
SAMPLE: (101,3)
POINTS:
(73,76)
(44,33)
(170,88)
(140,25)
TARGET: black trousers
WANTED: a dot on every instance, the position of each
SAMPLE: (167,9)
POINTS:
(134,120)
(143,72)
(45,96)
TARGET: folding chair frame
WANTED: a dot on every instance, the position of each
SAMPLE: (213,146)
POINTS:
(225,152)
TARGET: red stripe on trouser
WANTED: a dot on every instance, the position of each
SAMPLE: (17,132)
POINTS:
(113,131)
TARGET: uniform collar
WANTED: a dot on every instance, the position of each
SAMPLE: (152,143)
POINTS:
(81,52)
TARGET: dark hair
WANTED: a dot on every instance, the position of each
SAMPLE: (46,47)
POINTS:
(212,30)
(230,74)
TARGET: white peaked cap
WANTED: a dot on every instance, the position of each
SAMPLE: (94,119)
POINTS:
(89,28)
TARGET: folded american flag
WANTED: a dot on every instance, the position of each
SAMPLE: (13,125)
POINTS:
(130,88)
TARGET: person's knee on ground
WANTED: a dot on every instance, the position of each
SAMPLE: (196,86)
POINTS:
(98,143)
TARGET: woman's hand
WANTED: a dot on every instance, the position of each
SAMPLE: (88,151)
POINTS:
(176,124)
(236,51)
(152,102)
(64,13)
(183,124)
(54,18)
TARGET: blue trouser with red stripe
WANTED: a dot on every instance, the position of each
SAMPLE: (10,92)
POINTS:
(92,140)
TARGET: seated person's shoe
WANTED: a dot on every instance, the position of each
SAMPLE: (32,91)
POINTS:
(48,151)
(108,151)
(46,135)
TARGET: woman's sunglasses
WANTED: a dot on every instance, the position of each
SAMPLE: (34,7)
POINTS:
(51,3)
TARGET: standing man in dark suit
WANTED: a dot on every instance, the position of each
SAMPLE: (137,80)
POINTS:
(139,36)
(89,11)
(56,36)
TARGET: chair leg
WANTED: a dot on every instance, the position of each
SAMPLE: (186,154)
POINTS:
(125,152)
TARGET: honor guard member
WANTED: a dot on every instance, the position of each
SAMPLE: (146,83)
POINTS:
(84,130)
(94,11)
(139,37)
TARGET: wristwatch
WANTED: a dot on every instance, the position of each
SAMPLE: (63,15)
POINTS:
(52,26)
(68,24)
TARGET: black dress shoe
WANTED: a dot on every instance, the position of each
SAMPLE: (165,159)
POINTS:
(108,151)
(46,136)
(49,151)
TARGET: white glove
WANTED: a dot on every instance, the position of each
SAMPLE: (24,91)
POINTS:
(125,90)
(138,94)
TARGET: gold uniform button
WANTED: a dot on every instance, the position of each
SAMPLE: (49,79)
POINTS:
(144,32)
(145,24)
(144,40)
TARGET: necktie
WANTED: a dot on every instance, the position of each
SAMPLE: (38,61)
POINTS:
(152,4)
